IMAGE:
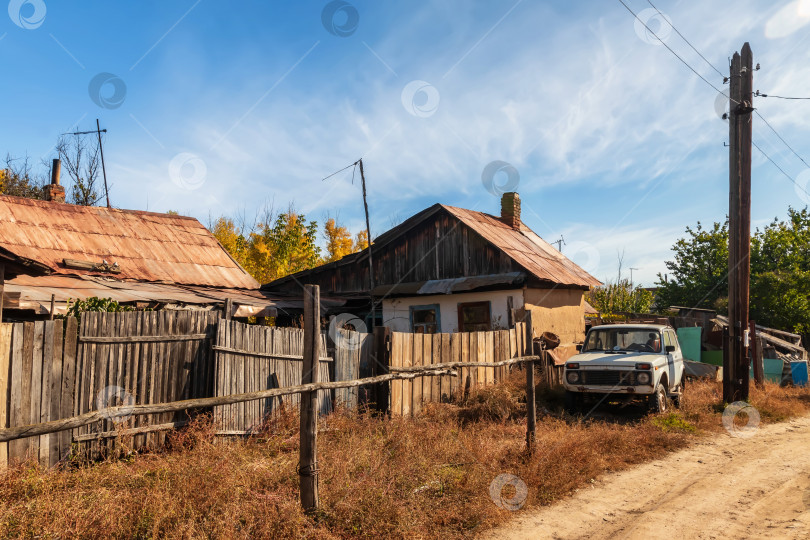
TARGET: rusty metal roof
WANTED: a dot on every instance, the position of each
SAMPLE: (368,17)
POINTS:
(34,293)
(147,246)
(526,248)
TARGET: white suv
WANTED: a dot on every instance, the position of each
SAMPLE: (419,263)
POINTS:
(626,362)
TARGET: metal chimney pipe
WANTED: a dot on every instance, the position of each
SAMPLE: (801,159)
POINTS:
(56,169)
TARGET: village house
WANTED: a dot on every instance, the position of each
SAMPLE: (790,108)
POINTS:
(54,252)
(449,269)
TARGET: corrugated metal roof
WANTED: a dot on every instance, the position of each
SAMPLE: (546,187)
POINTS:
(147,246)
(526,248)
(34,293)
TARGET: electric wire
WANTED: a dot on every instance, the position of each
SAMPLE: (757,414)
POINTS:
(795,183)
(687,41)
(670,49)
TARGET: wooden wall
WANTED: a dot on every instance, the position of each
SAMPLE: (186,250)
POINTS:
(441,247)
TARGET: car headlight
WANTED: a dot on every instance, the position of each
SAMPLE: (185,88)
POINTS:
(572,377)
(643,378)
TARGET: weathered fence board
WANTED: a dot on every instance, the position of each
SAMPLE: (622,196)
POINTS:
(139,358)
(250,358)
(5,390)
(351,351)
(409,396)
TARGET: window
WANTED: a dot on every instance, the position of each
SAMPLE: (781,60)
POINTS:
(425,319)
(622,339)
(474,317)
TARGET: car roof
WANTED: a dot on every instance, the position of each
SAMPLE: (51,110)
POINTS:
(640,326)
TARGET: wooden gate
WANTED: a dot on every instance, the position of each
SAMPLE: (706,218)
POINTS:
(140,358)
(251,358)
(352,354)
(408,397)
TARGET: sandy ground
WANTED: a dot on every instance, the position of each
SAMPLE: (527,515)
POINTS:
(723,487)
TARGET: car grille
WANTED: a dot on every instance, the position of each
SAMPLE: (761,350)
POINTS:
(608,378)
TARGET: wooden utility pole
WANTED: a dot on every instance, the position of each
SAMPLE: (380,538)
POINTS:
(735,367)
(308,451)
(368,235)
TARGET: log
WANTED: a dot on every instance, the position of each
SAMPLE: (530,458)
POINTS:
(280,356)
(452,365)
(142,339)
(11,434)
(308,432)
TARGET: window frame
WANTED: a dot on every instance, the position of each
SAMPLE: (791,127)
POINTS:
(426,307)
(460,307)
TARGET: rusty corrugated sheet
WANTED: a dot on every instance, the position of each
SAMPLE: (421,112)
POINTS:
(147,246)
(526,248)
(34,293)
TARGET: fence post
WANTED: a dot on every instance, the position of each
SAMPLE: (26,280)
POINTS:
(531,407)
(228,310)
(308,458)
(379,366)
(754,346)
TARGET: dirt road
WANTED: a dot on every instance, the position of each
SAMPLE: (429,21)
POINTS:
(724,487)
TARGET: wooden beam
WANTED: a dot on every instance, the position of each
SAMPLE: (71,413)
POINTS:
(2,288)
(21,432)
(531,405)
(308,447)
(452,365)
(231,350)
(142,339)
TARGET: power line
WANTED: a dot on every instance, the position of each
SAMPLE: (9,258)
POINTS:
(693,70)
(781,139)
(687,41)
(760,94)
(780,168)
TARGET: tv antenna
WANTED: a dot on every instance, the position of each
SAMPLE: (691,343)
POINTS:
(98,131)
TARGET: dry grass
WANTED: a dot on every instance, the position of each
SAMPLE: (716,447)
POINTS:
(427,477)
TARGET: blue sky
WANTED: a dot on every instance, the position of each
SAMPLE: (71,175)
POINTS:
(221,108)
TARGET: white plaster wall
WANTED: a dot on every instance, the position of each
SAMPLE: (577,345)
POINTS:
(396,311)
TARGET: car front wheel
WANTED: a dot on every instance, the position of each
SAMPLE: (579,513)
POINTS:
(572,402)
(658,400)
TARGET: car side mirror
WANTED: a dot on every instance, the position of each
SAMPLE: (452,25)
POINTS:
(579,347)
(670,348)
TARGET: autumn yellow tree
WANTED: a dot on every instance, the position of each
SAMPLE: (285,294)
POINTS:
(285,244)
(338,240)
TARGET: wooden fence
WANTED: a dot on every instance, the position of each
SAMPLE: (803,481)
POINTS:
(352,352)
(53,370)
(37,368)
(140,357)
(251,358)
(407,350)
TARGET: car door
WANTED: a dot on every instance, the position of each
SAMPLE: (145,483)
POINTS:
(674,359)
(670,356)
(678,360)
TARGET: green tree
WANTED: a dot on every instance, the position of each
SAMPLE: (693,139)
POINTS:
(698,276)
(780,272)
(620,297)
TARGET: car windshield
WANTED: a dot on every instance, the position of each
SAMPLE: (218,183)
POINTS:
(623,339)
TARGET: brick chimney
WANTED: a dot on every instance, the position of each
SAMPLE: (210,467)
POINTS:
(510,209)
(53,191)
